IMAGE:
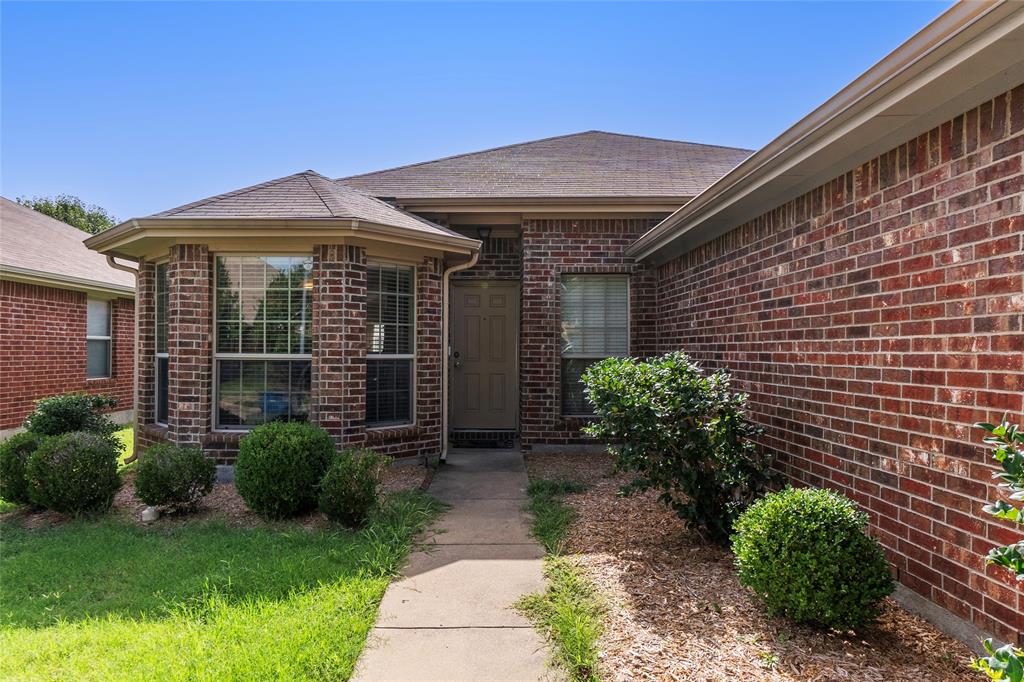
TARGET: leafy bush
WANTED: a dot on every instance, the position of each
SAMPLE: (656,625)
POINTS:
(74,473)
(683,433)
(1006,662)
(805,554)
(174,475)
(350,489)
(280,466)
(14,454)
(71,412)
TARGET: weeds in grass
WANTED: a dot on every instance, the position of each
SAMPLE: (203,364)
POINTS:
(551,516)
(570,613)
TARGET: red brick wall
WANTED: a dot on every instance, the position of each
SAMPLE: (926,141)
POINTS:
(42,348)
(189,343)
(550,249)
(500,258)
(873,320)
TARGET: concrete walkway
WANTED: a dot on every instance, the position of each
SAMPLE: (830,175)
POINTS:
(450,616)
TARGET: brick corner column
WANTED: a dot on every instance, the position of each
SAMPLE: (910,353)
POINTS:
(190,343)
(145,304)
(429,355)
(338,385)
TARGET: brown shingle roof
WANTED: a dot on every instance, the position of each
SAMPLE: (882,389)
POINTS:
(31,242)
(303,195)
(590,164)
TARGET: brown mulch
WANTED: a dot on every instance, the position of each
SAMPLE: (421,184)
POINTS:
(676,610)
(223,504)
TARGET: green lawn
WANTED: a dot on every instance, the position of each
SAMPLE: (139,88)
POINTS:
(107,600)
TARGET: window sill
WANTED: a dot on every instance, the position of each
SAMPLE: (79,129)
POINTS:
(384,434)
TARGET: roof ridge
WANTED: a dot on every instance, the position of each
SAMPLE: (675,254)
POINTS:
(233,193)
(667,139)
(305,175)
(464,154)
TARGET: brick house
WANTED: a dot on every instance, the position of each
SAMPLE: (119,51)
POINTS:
(862,275)
(67,318)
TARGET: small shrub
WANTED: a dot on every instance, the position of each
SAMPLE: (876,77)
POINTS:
(280,466)
(14,454)
(1003,663)
(350,489)
(74,473)
(683,433)
(805,554)
(174,476)
(71,412)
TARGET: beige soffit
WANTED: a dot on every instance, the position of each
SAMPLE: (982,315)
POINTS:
(37,249)
(969,54)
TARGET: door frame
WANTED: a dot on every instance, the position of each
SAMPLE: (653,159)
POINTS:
(517,286)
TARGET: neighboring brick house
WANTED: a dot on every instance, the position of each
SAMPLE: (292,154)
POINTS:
(67,318)
(861,275)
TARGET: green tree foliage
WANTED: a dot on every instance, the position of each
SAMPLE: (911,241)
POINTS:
(70,209)
(684,433)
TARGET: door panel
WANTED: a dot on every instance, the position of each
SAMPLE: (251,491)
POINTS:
(484,371)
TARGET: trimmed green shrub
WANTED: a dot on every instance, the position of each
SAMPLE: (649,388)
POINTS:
(71,412)
(280,466)
(805,554)
(174,476)
(350,489)
(74,473)
(684,434)
(14,454)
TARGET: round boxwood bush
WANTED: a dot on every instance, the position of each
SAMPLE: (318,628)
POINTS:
(71,412)
(74,473)
(279,468)
(350,489)
(174,476)
(14,454)
(805,554)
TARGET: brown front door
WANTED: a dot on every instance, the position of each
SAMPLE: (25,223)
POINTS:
(484,372)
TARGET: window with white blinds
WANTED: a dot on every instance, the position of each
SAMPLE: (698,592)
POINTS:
(97,339)
(595,325)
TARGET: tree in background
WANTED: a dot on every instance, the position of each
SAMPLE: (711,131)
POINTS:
(73,211)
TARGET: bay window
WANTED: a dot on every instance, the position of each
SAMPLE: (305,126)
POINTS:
(162,296)
(595,325)
(262,339)
(390,321)
(97,339)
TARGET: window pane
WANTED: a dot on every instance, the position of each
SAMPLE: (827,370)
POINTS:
(97,359)
(389,310)
(98,318)
(253,392)
(263,293)
(574,401)
(162,299)
(595,315)
(388,392)
(161,390)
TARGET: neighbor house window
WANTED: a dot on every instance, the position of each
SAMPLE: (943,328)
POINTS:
(390,303)
(97,339)
(595,325)
(263,339)
(161,343)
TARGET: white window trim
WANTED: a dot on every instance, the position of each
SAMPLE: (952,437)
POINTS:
(594,356)
(217,356)
(165,354)
(109,338)
(399,356)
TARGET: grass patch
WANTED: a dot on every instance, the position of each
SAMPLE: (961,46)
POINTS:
(570,613)
(108,600)
(551,516)
(127,437)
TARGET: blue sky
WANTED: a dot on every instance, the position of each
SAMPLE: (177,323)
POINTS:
(138,107)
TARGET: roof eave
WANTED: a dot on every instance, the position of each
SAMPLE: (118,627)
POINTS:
(870,103)
(50,279)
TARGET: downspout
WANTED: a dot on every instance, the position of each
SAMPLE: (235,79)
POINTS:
(135,350)
(446,348)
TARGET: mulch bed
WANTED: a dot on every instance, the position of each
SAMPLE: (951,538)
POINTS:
(223,504)
(676,610)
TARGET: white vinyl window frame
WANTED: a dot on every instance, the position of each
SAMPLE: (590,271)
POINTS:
(107,338)
(160,354)
(592,356)
(370,356)
(218,356)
